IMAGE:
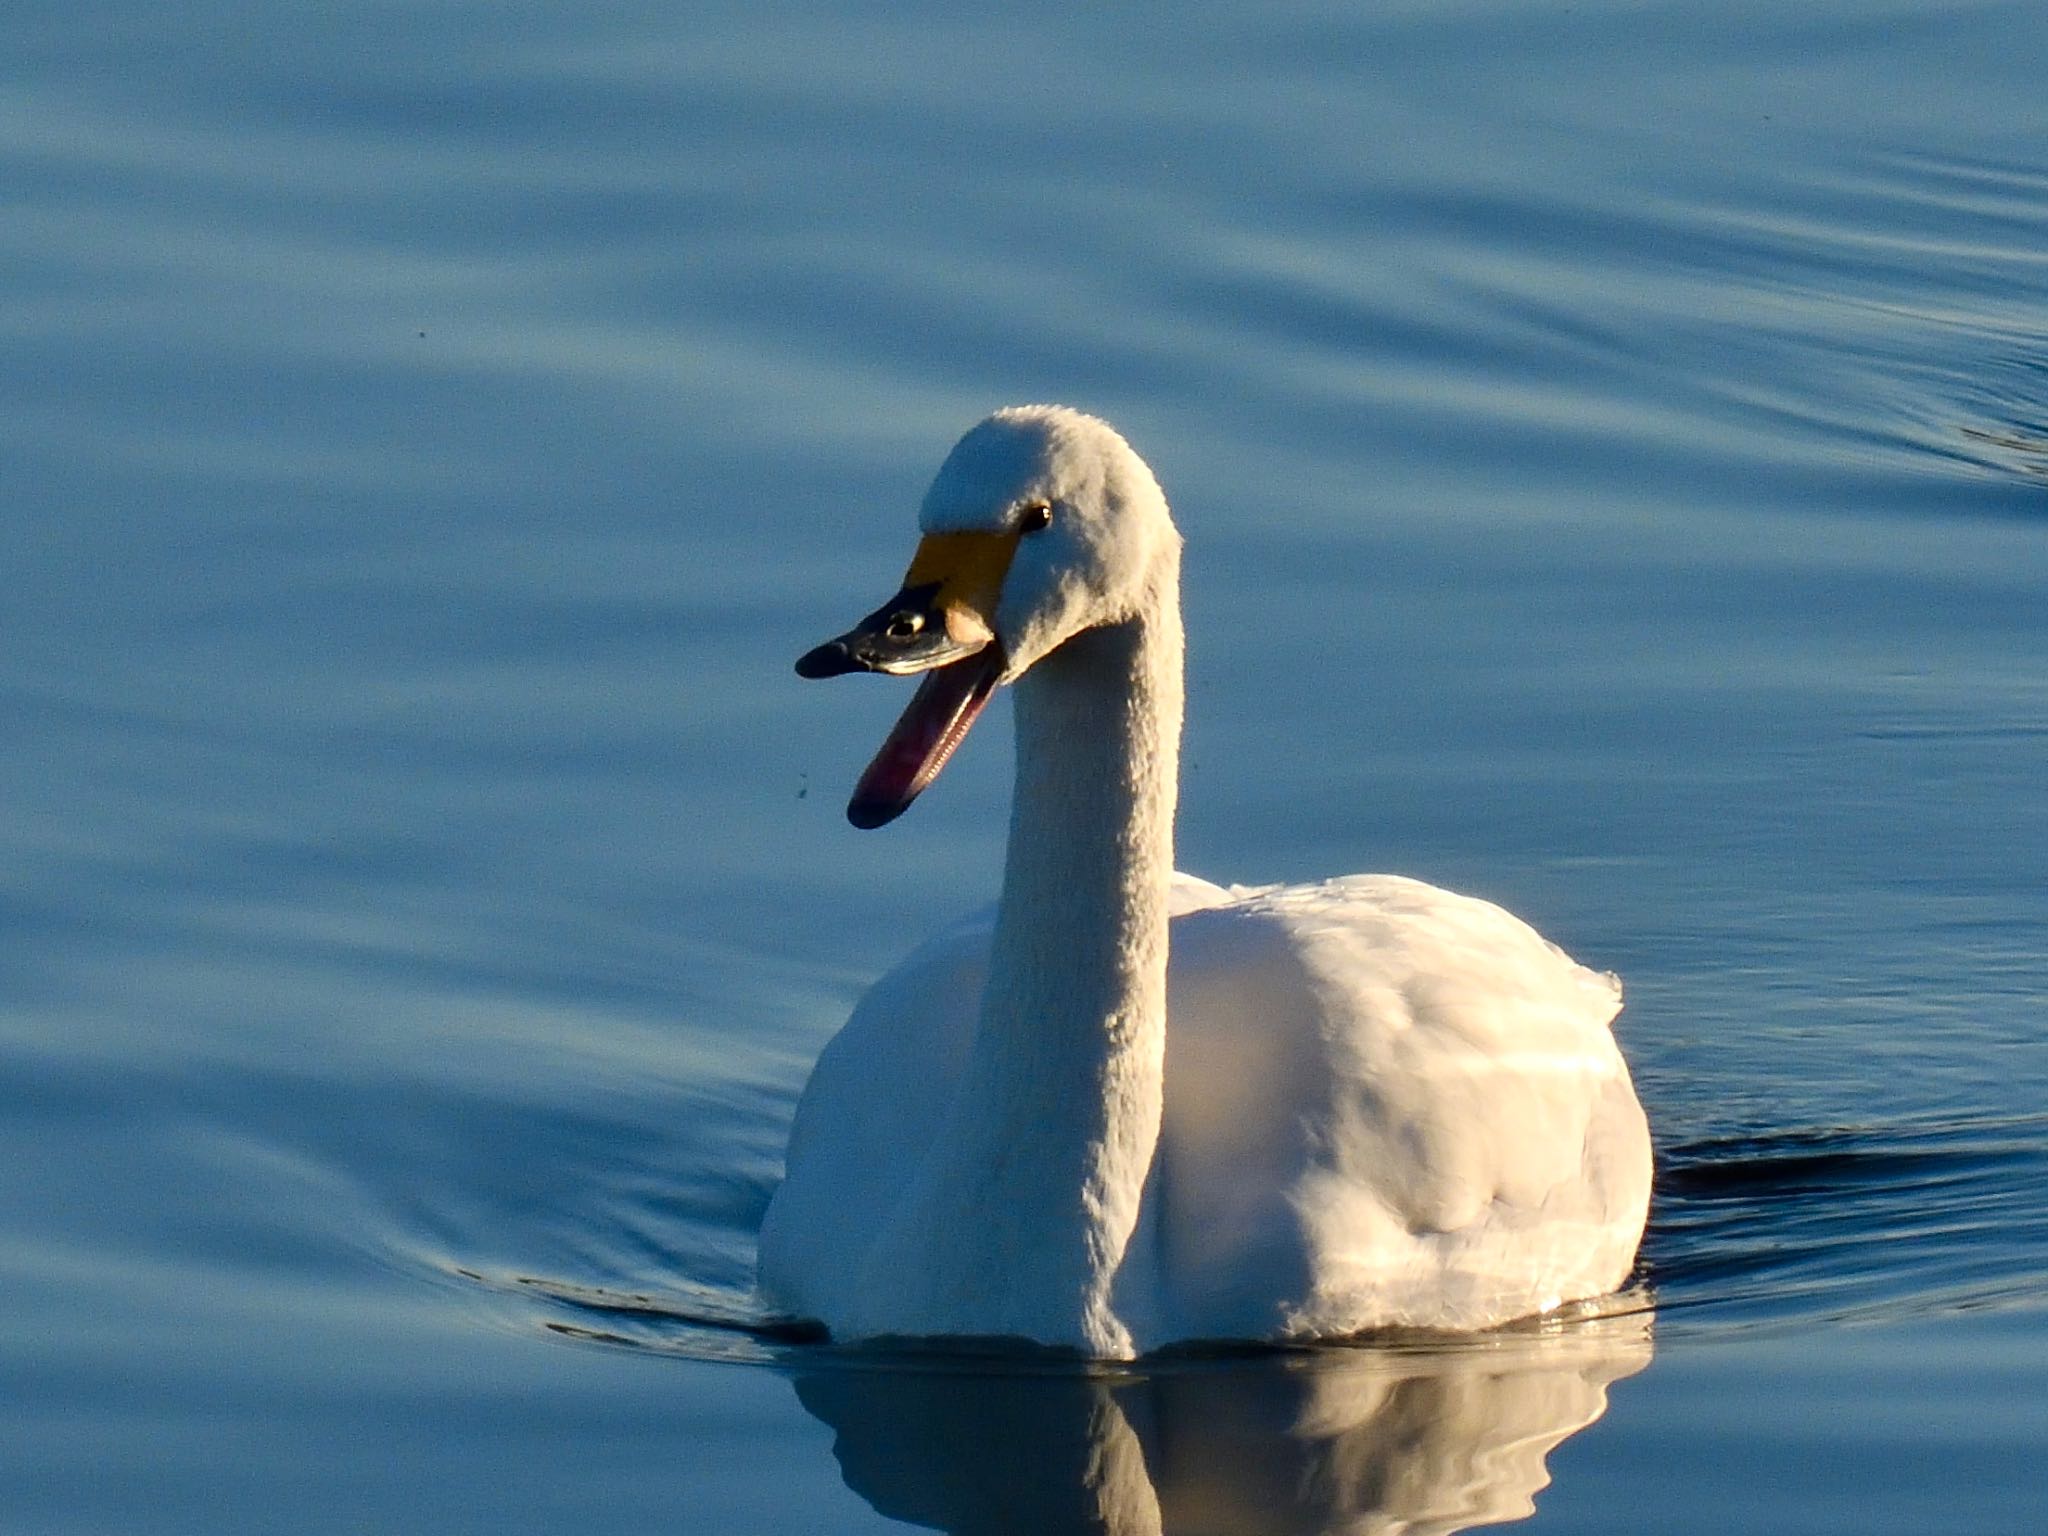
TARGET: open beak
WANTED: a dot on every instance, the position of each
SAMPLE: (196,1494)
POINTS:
(942,624)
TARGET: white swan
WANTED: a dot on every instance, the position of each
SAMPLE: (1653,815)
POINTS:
(1128,1108)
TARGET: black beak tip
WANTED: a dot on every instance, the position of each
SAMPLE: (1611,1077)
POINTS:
(832,659)
(870,814)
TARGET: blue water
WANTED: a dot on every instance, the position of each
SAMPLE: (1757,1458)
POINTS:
(1612,442)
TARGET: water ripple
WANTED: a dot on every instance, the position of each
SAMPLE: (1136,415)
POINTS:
(1840,1222)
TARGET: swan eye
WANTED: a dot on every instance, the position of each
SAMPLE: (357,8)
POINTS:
(1035,518)
(905,625)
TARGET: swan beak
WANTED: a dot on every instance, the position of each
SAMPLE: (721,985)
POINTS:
(942,624)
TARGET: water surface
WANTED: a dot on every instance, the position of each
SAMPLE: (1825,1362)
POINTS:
(1612,442)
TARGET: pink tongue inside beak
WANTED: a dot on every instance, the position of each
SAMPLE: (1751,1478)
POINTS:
(944,706)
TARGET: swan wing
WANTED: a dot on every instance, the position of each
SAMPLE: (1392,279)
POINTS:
(1386,1106)
(875,1099)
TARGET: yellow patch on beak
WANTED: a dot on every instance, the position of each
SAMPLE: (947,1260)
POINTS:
(968,569)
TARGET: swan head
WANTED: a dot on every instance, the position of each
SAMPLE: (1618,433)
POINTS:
(1041,523)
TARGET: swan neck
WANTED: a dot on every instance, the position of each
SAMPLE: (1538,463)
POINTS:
(1067,1070)
(1091,828)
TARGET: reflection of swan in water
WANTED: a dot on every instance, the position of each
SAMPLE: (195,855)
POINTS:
(1368,1440)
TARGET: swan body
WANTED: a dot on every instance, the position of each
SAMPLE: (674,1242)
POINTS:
(1125,1108)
